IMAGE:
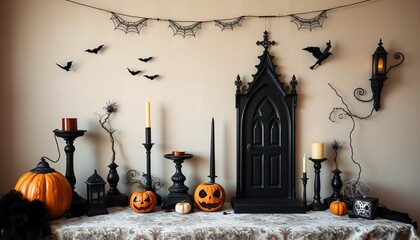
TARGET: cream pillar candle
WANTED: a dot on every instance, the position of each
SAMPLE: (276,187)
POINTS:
(148,113)
(317,150)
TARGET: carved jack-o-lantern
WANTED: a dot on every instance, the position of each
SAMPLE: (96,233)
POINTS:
(209,197)
(143,202)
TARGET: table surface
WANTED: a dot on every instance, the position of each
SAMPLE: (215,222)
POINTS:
(123,223)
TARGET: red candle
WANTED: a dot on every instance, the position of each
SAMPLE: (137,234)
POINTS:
(69,124)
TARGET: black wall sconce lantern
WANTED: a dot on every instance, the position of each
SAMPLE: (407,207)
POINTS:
(96,195)
(379,72)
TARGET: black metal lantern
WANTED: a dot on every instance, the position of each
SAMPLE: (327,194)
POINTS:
(96,195)
(379,58)
(379,71)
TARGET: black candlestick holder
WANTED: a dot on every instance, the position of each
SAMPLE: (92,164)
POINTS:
(317,205)
(336,184)
(304,182)
(178,192)
(78,204)
(149,183)
(114,197)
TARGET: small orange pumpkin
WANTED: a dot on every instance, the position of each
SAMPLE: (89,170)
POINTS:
(143,202)
(338,207)
(48,186)
(209,197)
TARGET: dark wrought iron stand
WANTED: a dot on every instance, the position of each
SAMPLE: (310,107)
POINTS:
(178,191)
(336,184)
(304,182)
(114,197)
(317,205)
(78,204)
(149,183)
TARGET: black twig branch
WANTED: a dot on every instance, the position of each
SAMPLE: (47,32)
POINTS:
(346,112)
(335,145)
(110,108)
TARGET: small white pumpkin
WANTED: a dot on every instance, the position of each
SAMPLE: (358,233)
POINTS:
(183,207)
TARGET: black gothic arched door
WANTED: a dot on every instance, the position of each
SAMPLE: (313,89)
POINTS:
(266,147)
(266,141)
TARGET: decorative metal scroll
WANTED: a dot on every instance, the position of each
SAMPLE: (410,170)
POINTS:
(131,179)
(359,92)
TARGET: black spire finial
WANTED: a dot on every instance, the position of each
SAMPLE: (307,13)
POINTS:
(266,43)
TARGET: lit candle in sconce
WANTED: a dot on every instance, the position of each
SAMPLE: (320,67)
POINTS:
(317,150)
(304,163)
(69,124)
(380,65)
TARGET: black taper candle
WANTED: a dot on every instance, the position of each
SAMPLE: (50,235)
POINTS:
(212,175)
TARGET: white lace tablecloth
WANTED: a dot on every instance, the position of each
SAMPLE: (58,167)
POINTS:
(123,223)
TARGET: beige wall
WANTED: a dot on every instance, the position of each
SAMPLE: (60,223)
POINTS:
(196,83)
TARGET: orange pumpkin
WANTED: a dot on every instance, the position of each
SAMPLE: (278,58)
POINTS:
(209,197)
(143,202)
(48,186)
(338,208)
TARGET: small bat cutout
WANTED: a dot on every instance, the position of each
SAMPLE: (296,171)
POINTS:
(95,50)
(151,77)
(145,59)
(133,72)
(67,67)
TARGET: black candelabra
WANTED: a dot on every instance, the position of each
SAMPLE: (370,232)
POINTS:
(78,204)
(317,205)
(149,186)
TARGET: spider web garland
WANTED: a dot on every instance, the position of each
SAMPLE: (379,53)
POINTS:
(128,26)
(311,22)
(229,25)
(184,30)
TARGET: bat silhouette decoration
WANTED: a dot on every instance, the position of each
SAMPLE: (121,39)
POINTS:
(95,50)
(133,72)
(67,67)
(145,59)
(151,77)
(321,56)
